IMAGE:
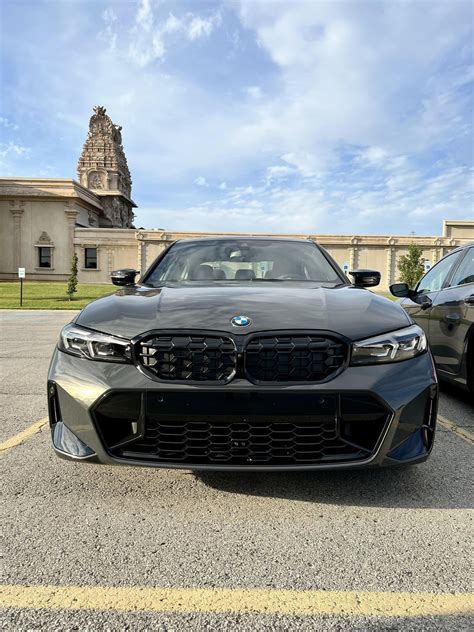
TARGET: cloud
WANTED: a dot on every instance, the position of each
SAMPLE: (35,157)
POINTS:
(12,148)
(362,75)
(109,33)
(386,205)
(13,158)
(109,16)
(146,44)
(307,164)
(344,116)
(201,181)
(278,172)
(374,155)
(8,124)
(144,16)
(202,27)
(148,36)
(172,24)
(254,92)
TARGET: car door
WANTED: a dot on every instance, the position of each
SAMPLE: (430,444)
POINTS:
(428,289)
(452,315)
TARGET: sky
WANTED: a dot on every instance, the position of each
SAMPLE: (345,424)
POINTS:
(252,116)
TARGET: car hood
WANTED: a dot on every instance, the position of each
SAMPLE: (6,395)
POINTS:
(352,312)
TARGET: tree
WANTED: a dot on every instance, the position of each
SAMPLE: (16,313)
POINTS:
(411,266)
(72,281)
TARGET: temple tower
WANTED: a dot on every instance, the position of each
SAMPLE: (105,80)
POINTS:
(103,169)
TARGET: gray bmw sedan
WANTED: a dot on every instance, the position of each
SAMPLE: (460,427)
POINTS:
(243,354)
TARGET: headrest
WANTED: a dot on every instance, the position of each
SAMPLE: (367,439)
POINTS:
(202,272)
(244,274)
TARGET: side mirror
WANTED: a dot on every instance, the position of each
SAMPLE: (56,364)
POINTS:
(401,290)
(365,278)
(425,302)
(126,276)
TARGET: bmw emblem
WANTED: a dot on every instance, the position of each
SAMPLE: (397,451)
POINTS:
(241,321)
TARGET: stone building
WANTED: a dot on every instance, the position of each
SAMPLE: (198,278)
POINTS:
(39,216)
(43,221)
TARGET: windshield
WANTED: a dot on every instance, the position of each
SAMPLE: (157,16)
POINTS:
(232,261)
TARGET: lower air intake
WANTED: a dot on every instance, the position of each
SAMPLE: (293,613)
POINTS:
(246,428)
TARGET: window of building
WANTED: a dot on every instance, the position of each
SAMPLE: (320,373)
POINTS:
(44,257)
(90,258)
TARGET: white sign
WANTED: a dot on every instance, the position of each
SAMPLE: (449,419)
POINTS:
(21,273)
(345,267)
(427,266)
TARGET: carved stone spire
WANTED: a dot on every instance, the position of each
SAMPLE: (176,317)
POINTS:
(103,168)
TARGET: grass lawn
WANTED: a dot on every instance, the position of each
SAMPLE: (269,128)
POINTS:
(50,294)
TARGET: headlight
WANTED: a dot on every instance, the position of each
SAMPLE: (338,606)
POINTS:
(94,345)
(393,347)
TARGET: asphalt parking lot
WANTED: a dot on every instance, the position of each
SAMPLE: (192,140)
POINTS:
(95,547)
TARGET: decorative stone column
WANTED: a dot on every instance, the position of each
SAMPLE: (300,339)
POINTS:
(71,214)
(391,260)
(141,259)
(437,250)
(353,254)
(110,261)
(16,210)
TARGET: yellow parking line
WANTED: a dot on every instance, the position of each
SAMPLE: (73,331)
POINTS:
(241,600)
(23,435)
(461,432)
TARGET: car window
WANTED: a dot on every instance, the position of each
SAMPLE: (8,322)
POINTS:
(435,278)
(240,260)
(465,273)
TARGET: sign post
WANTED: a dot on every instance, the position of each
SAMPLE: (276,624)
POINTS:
(21,276)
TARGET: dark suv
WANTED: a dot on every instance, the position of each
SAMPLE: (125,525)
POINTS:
(443,304)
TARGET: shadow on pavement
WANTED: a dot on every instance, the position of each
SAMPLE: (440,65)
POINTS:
(437,483)
(442,482)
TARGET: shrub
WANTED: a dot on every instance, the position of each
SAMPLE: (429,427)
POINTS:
(72,281)
(411,266)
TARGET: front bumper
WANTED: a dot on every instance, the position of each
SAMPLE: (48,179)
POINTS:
(112,413)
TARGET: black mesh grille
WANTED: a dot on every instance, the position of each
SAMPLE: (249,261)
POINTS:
(243,428)
(296,358)
(188,357)
(241,443)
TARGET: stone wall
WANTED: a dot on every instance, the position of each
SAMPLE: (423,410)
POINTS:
(116,248)
(126,248)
